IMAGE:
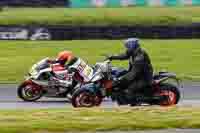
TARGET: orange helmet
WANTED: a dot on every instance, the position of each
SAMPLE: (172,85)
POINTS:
(65,56)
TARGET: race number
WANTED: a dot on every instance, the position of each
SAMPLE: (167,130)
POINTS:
(85,70)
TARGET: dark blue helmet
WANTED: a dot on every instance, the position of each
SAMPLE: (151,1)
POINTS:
(132,43)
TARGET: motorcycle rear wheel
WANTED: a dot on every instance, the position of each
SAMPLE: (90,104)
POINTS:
(171,94)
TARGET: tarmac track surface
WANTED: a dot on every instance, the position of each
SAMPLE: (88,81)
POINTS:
(161,131)
(9,99)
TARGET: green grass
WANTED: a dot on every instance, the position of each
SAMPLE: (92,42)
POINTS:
(99,119)
(179,56)
(100,16)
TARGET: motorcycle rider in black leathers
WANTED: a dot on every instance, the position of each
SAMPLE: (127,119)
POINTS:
(140,73)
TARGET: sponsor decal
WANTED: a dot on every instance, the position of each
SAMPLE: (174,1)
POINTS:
(40,34)
(17,33)
(13,33)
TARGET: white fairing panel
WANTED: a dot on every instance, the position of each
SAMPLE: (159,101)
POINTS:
(84,69)
(36,75)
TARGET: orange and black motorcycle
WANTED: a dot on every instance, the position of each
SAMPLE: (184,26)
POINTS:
(165,88)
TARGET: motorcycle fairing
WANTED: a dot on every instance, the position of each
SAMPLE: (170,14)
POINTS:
(84,69)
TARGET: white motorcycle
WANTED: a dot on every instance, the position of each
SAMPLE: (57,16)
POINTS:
(49,80)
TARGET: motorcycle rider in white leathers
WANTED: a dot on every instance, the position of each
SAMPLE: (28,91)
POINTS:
(74,64)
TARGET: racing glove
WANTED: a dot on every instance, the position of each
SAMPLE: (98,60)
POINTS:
(109,57)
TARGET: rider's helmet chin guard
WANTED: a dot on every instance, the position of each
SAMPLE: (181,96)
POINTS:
(65,56)
(132,43)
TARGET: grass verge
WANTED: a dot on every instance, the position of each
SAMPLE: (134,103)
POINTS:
(125,119)
(100,16)
(179,56)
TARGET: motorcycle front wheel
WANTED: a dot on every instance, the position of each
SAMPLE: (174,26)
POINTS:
(29,91)
(85,98)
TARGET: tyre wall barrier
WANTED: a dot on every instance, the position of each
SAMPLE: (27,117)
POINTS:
(97,32)
(35,3)
(120,32)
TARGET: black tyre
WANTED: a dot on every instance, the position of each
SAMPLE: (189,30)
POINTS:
(171,93)
(29,92)
(83,98)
